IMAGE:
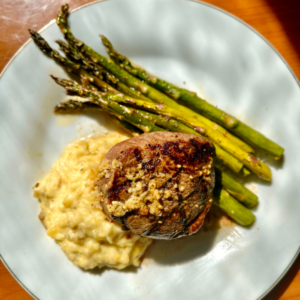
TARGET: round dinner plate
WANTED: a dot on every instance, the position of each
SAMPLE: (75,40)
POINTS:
(193,45)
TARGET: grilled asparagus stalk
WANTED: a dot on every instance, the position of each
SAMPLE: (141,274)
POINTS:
(198,104)
(137,84)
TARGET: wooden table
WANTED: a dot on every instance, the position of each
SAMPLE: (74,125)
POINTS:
(277,20)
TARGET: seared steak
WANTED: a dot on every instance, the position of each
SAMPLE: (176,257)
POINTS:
(158,184)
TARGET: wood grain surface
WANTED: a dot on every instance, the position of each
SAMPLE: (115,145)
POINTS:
(276,20)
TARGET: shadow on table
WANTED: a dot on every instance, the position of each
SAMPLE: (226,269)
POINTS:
(287,13)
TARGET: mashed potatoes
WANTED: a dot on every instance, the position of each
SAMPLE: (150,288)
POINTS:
(71,213)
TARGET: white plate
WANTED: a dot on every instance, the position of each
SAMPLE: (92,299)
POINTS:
(218,56)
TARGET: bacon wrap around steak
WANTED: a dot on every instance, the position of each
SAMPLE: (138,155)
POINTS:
(158,184)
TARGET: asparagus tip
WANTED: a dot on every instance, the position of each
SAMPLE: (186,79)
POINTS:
(54,78)
(62,43)
(64,10)
(39,41)
(34,34)
(63,82)
(105,41)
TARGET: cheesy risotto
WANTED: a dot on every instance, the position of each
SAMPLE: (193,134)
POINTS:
(71,213)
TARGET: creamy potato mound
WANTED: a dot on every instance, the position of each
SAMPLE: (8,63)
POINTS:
(71,213)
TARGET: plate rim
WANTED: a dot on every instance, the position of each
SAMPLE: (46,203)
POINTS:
(198,2)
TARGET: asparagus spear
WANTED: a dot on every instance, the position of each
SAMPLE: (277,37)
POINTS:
(227,203)
(86,84)
(135,83)
(90,66)
(69,65)
(224,157)
(251,162)
(44,46)
(86,63)
(129,128)
(109,106)
(116,57)
(75,107)
(233,208)
(122,75)
(77,55)
(170,124)
(237,190)
(191,100)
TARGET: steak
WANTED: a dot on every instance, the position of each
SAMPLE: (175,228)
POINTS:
(159,184)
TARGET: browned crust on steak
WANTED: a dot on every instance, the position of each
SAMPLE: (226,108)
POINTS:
(159,184)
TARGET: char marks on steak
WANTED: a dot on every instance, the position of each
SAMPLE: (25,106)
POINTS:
(158,184)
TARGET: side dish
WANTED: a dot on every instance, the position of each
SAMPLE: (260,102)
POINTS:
(71,212)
